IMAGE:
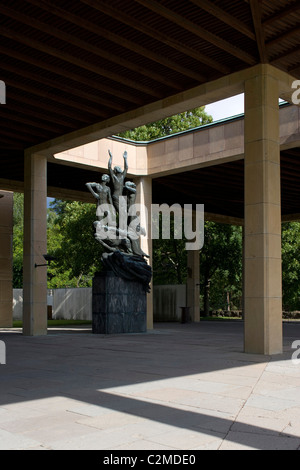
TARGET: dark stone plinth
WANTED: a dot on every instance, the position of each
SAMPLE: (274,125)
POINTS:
(118,305)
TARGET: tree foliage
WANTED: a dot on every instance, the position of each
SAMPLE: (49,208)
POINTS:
(291,266)
(18,221)
(169,259)
(221,267)
(170,125)
(71,241)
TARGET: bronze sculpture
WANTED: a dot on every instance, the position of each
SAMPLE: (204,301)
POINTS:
(118,227)
(101,192)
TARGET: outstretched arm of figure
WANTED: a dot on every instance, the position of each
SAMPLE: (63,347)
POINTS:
(109,164)
(90,187)
(125,163)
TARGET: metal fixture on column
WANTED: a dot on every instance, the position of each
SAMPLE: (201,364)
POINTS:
(48,258)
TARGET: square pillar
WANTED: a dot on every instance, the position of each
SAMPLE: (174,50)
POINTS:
(193,282)
(144,197)
(262,231)
(6,256)
(35,245)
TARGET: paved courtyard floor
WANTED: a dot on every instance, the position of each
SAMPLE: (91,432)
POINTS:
(178,387)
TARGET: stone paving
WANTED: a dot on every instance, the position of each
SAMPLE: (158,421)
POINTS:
(178,387)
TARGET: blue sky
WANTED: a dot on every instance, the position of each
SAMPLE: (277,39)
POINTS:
(226,108)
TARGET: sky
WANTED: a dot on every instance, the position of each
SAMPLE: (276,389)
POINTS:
(226,108)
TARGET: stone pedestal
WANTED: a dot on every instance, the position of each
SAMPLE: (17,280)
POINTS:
(119,305)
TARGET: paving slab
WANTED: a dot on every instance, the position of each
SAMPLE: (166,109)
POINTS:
(177,387)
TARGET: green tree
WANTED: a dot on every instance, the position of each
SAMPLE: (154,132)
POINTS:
(170,125)
(18,223)
(71,241)
(169,259)
(221,265)
(291,266)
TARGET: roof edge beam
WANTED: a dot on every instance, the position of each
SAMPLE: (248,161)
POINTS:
(201,95)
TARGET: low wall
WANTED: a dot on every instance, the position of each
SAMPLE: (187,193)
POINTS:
(68,304)
(76,304)
(167,300)
(72,304)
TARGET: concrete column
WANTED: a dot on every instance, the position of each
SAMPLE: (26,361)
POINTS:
(263,302)
(35,245)
(193,282)
(6,273)
(144,197)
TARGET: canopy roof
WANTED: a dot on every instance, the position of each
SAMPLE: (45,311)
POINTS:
(69,64)
(72,64)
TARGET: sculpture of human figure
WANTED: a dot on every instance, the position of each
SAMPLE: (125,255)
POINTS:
(134,229)
(118,178)
(103,195)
